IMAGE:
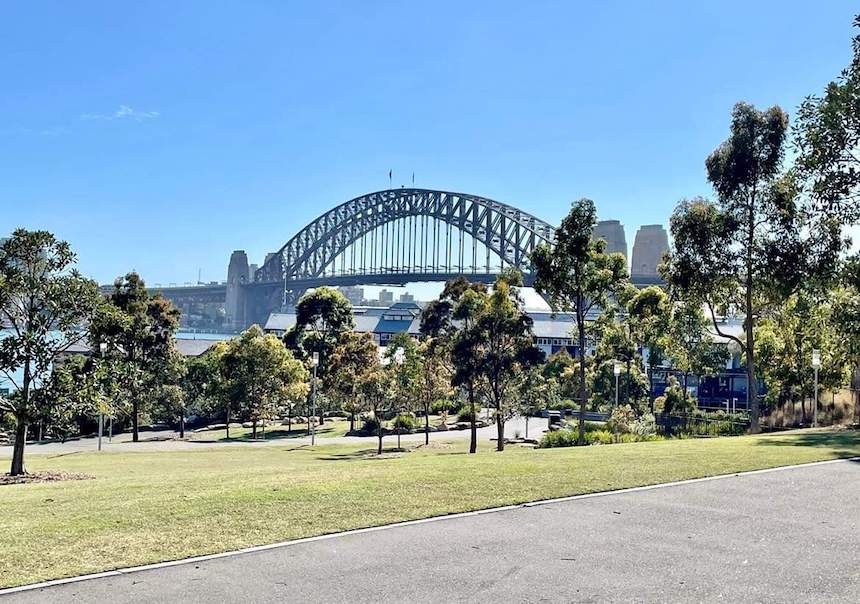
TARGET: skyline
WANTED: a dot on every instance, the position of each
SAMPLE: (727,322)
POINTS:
(161,139)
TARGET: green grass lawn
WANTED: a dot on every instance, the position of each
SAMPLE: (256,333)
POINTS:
(146,507)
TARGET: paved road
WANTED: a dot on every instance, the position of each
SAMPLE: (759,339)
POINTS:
(168,440)
(782,536)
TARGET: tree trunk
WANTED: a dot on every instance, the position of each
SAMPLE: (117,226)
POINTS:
(352,421)
(322,417)
(752,386)
(378,432)
(426,424)
(135,419)
(182,426)
(254,429)
(17,467)
(227,423)
(651,388)
(500,429)
(473,443)
(686,376)
(583,394)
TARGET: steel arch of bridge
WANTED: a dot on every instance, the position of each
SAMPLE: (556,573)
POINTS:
(509,233)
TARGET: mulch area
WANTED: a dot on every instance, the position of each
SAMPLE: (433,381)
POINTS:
(42,477)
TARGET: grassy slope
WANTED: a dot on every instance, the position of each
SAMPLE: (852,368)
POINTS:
(146,507)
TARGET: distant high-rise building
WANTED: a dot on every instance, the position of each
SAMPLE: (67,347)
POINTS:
(407,297)
(354,294)
(386,297)
(648,249)
(612,231)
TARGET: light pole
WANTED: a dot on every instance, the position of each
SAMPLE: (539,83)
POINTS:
(616,369)
(398,358)
(102,350)
(313,420)
(816,363)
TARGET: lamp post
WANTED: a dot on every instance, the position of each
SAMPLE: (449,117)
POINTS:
(616,369)
(312,420)
(816,363)
(102,350)
(398,358)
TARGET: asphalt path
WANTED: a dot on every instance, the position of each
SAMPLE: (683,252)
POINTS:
(780,536)
(168,440)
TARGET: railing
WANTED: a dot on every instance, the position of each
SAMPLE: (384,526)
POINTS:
(703,426)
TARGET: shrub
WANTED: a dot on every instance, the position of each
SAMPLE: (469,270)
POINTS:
(449,405)
(558,438)
(370,425)
(465,415)
(599,437)
(645,426)
(621,420)
(405,421)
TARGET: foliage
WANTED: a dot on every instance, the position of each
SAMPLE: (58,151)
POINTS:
(323,320)
(675,399)
(46,304)
(138,331)
(349,360)
(404,421)
(260,373)
(576,275)
(500,346)
(827,136)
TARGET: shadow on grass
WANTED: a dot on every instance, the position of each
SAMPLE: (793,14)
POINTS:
(277,434)
(387,453)
(845,443)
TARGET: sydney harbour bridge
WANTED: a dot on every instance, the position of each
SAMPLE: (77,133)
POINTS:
(389,237)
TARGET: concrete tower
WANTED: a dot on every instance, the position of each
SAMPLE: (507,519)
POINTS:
(612,231)
(237,274)
(648,249)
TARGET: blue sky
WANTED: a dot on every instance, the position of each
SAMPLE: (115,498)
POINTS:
(160,136)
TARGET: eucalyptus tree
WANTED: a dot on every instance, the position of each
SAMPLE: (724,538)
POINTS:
(323,320)
(648,312)
(46,305)
(377,392)
(447,321)
(348,362)
(138,331)
(259,372)
(827,137)
(434,380)
(504,349)
(577,276)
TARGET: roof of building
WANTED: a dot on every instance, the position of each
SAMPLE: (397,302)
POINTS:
(185,346)
(279,321)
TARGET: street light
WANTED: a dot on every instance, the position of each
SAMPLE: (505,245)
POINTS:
(816,363)
(616,369)
(102,350)
(399,357)
(315,360)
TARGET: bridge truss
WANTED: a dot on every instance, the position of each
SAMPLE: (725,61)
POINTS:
(403,235)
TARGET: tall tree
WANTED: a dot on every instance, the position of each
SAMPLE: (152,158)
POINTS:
(447,321)
(827,137)
(348,362)
(576,275)
(648,316)
(743,251)
(505,349)
(401,356)
(47,305)
(259,372)
(323,319)
(433,379)
(377,394)
(138,330)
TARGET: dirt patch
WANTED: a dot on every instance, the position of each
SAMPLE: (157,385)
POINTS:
(42,477)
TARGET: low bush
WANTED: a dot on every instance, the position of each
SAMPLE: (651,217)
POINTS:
(465,415)
(558,438)
(450,405)
(370,425)
(405,421)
